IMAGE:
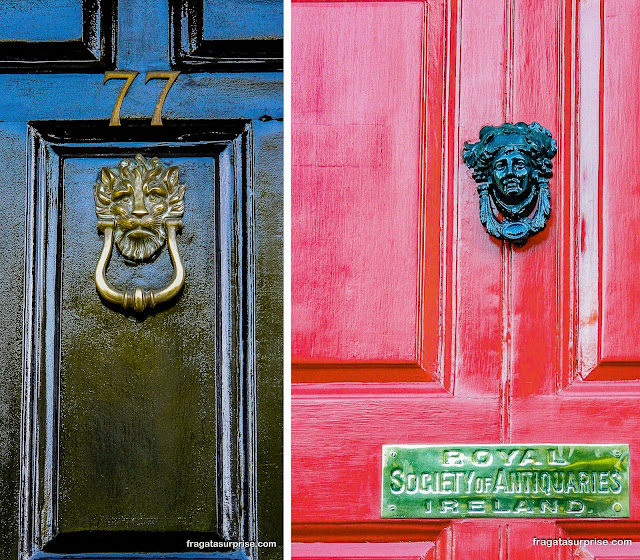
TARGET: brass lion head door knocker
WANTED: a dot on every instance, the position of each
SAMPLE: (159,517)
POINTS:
(139,205)
(512,165)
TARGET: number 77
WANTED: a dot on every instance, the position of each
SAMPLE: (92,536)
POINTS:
(129,76)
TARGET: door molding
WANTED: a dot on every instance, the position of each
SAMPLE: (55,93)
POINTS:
(229,143)
(191,52)
(94,52)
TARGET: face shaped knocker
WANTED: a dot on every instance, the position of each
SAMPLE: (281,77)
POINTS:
(139,204)
(512,166)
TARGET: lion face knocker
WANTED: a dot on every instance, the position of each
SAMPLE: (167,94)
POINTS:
(139,204)
(512,166)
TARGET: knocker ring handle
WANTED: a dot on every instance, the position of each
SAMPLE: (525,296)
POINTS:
(139,299)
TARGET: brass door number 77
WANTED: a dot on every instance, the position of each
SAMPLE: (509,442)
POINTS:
(129,76)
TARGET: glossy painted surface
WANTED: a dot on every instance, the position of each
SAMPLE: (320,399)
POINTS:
(142,44)
(23,20)
(58,36)
(356,162)
(532,344)
(101,433)
(610,349)
(225,19)
(218,36)
(88,392)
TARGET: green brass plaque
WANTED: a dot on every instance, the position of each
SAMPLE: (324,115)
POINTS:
(547,480)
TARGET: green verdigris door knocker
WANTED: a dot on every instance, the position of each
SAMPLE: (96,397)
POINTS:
(140,205)
(512,165)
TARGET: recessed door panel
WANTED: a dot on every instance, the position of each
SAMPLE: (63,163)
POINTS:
(141,419)
(250,19)
(223,36)
(355,158)
(607,196)
(58,36)
(30,21)
(138,395)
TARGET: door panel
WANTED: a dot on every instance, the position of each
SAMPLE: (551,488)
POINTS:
(603,552)
(359,419)
(221,36)
(61,36)
(619,106)
(136,401)
(362,160)
(127,432)
(24,22)
(525,345)
(608,348)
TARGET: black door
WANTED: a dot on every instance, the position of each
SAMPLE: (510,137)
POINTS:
(141,278)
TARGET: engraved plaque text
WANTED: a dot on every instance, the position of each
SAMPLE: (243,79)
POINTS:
(544,481)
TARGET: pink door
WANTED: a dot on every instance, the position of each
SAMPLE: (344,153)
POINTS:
(411,325)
